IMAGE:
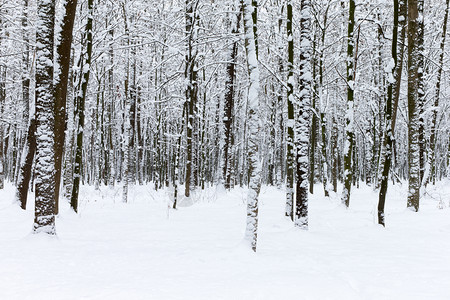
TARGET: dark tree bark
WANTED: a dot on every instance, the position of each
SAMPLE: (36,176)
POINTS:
(421,88)
(290,160)
(433,137)
(63,57)
(26,166)
(29,148)
(229,104)
(402,19)
(80,99)
(191,89)
(413,118)
(389,136)
(348,147)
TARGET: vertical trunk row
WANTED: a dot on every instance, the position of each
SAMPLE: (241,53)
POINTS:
(433,137)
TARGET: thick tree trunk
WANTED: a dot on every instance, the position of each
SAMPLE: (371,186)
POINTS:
(63,58)
(303,117)
(44,220)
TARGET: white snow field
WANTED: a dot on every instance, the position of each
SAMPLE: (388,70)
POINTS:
(142,250)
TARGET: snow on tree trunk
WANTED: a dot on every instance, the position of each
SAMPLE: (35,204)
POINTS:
(303,117)
(229,103)
(191,89)
(349,134)
(80,99)
(421,90)
(388,141)
(253,126)
(413,117)
(44,220)
(290,162)
(433,137)
(29,147)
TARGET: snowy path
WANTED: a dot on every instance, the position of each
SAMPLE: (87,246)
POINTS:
(136,251)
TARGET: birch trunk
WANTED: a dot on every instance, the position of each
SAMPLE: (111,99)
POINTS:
(253,125)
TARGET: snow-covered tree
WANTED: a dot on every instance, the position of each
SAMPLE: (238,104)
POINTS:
(44,220)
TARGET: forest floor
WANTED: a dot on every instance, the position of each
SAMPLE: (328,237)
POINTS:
(143,250)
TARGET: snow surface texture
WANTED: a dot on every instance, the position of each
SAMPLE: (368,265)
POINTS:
(142,250)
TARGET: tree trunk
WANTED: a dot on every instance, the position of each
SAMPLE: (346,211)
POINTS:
(389,135)
(229,104)
(413,118)
(191,89)
(63,58)
(303,118)
(253,125)
(290,162)
(26,165)
(433,137)
(44,220)
(80,99)
(348,146)
(29,147)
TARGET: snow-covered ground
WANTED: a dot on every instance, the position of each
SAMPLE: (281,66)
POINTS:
(142,250)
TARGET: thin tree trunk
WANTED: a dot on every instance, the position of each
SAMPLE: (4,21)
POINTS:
(253,125)
(191,89)
(413,118)
(348,146)
(229,104)
(290,162)
(323,120)
(84,67)
(26,165)
(389,136)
